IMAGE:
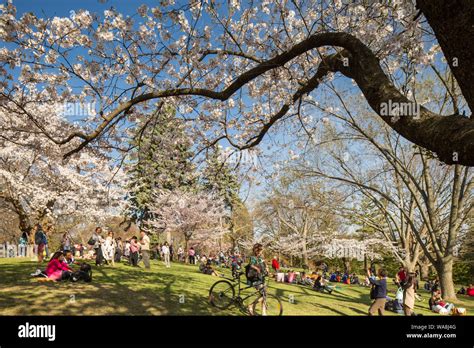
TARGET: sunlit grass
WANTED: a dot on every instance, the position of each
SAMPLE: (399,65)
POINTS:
(179,290)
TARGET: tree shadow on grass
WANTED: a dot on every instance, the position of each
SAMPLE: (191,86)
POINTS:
(113,291)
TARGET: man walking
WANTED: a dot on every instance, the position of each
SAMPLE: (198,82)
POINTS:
(145,247)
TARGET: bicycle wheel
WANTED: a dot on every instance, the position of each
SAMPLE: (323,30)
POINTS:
(221,294)
(270,305)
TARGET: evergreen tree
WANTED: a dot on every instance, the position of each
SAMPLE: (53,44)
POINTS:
(218,177)
(161,160)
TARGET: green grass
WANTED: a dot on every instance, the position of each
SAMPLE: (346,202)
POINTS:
(123,290)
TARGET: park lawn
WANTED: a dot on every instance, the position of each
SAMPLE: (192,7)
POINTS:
(179,290)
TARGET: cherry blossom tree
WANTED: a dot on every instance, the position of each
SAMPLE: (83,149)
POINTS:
(198,217)
(235,70)
(36,182)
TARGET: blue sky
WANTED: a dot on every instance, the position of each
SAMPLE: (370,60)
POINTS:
(50,8)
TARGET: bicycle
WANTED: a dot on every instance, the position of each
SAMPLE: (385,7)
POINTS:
(222,296)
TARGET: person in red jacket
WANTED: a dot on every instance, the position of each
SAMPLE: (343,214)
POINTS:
(57,268)
(275,264)
(470,290)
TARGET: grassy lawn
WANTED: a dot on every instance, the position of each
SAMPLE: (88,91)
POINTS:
(123,290)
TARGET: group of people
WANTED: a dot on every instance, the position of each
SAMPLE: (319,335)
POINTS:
(60,268)
(109,250)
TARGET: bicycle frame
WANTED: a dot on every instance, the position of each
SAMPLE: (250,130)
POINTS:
(241,289)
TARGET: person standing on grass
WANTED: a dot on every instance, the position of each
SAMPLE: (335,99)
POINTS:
(257,271)
(97,238)
(166,254)
(145,247)
(191,254)
(180,254)
(409,294)
(401,276)
(23,242)
(118,249)
(171,252)
(40,241)
(378,292)
(109,248)
(66,242)
(275,264)
(47,234)
(134,249)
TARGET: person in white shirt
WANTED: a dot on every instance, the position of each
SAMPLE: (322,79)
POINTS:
(166,254)
(145,248)
(180,254)
(109,248)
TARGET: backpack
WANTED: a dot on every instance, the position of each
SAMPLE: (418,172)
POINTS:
(84,273)
(250,273)
(39,239)
(372,292)
(91,241)
(394,306)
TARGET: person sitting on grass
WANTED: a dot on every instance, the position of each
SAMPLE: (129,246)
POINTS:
(355,279)
(320,284)
(69,258)
(470,290)
(208,269)
(303,279)
(290,277)
(57,268)
(438,305)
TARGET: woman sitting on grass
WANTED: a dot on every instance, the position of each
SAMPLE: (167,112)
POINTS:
(207,269)
(320,284)
(437,304)
(57,268)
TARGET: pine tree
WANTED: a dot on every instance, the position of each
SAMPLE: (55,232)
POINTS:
(218,177)
(161,160)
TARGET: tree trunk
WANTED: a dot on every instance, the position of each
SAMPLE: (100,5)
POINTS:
(305,250)
(445,273)
(186,258)
(424,271)
(409,265)
(452,20)
(347,264)
(366,264)
(424,266)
